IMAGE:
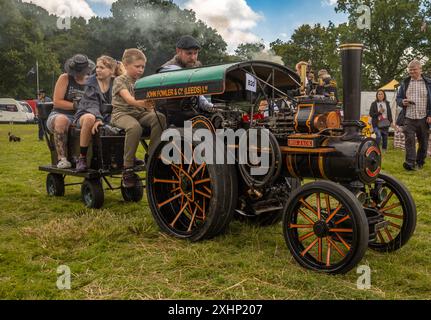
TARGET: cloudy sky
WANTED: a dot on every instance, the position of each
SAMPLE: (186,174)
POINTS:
(238,21)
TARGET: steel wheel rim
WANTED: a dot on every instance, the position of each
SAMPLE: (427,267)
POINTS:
(324,239)
(182,194)
(394,211)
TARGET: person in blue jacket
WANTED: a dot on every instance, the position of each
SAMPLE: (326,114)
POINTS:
(98,91)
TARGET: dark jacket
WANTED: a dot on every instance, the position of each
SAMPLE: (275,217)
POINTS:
(92,100)
(375,114)
(402,92)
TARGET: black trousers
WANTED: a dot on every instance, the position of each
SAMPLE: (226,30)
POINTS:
(40,128)
(416,128)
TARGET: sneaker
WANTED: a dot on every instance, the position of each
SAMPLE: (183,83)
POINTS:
(139,162)
(81,164)
(129,178)
(64,164)
(409,167)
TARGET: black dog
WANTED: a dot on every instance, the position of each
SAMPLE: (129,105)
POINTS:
(13,138)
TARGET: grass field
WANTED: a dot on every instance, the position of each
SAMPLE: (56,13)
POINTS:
(119,253)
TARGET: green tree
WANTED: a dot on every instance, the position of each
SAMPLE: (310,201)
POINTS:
(21,44)
(395,35)
(315,44)
(246,51)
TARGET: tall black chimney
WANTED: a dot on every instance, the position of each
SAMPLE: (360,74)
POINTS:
(351,62)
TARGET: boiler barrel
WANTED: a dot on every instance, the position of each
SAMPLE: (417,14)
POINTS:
(346,161)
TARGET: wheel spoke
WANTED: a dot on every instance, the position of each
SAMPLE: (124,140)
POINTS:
(202,181)
(208,196)
(336,247)
(343,241)
(179,214)
(165,181)
(379,234)
(183,157)
(334,213)
(208,190)
(388,233)
(318,205)
(193,218)
(308,206)
(341,230)
(303,253)
(342,220)
(169,200)
(328,203)
(174,169)
(396,205)
(306,236)
(328,253)
(201,210)
(386,201)
(394,225)
(302,213)
(202,166)
(320,251)
(176,189)
(301,226)
(395,216)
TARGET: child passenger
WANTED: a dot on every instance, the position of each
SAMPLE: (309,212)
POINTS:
(131,114)
(98,92)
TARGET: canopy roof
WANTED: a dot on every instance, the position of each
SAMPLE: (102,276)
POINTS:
(216,80)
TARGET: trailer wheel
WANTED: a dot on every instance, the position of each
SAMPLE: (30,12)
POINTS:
(134,194)
(399,210)
(92,193)
(55,185)
(189,200)
(325,227)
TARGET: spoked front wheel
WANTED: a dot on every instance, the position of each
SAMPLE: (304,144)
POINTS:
(325,227)
(396,204)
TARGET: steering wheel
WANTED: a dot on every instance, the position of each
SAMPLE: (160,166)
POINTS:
(190,103)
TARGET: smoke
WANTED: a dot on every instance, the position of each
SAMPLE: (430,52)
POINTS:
(268,55)
(73,8)
(233,19)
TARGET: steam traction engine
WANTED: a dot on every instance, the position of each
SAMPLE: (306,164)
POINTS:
(329,223)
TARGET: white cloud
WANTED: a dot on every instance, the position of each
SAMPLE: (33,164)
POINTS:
(107,2)
(75,8)
(233,19)
(329,2)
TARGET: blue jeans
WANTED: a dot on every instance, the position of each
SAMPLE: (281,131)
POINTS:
(382,136)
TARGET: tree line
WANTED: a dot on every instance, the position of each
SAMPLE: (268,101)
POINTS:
(399,31)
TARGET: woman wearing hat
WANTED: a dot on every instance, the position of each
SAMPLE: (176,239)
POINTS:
(69,88)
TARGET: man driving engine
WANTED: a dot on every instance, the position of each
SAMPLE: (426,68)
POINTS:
(187,52)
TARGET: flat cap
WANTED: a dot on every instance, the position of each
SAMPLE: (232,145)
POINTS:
(187,43)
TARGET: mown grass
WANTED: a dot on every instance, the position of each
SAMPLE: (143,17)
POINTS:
(119,252)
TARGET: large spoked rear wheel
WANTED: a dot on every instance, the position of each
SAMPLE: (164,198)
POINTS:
(190,200)
(396,204)
(325,227)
